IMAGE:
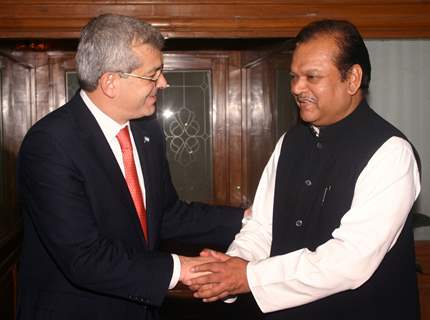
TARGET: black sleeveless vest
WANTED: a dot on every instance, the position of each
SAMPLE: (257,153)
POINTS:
(314,188)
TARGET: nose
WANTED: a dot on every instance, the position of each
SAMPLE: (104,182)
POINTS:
(297,85)
(162,82)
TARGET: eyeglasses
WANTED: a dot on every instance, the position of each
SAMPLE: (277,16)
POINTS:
(154,78)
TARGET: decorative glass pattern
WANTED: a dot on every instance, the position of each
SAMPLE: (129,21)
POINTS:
(184,110)
(72,84)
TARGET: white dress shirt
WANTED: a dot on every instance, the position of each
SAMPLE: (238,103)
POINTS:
(383,196)
(110,129)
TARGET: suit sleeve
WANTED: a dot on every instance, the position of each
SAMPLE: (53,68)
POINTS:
(195,222)
(53,193)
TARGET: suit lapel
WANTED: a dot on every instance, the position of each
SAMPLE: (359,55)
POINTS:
(143,141)
(95,142)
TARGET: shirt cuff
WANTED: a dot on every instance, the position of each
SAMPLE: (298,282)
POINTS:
(176,271)
(230,300)
(245,220)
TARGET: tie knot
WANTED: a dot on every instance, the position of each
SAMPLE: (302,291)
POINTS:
(124,140)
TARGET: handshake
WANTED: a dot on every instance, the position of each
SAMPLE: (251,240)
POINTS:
(214,275)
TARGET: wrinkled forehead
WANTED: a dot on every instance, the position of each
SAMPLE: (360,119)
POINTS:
(149,56)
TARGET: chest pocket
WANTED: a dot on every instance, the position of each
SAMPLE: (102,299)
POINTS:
(333,200)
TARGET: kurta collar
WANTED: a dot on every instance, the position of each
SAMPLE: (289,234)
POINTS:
(342,127)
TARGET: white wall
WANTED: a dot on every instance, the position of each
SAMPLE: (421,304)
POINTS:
(400,92)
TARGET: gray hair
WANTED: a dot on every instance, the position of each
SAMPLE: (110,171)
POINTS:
(106,46)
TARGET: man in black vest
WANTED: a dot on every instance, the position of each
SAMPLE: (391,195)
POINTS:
(331,235)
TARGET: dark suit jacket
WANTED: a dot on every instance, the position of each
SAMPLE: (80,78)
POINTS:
(84,255)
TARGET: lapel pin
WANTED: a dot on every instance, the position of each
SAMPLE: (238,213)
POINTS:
(145,139)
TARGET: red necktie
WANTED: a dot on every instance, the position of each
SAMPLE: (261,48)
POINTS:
(131,177)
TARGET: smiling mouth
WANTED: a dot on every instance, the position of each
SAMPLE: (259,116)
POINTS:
(303,101)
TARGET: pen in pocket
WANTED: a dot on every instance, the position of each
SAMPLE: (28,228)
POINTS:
(326,189)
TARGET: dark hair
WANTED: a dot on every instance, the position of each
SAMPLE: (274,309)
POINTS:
(352,49)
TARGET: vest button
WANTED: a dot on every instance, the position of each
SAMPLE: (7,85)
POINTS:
(319,145)
(308,182)
(299,223)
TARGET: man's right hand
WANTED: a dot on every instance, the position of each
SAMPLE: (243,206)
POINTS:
(189,262)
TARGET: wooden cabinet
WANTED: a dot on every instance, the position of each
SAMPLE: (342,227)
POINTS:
(213,18)
(15,96)
(423,260)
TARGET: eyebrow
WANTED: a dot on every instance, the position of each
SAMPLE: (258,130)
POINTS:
(306,71)
(155,69)
(312,71)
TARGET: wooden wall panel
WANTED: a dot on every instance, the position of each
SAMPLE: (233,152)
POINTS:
(17,100)
(259,132)
(237,181)
(8,291)
(58,63)
(211,18)
(423,259)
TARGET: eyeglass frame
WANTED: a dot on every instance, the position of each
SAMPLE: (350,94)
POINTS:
(153,79)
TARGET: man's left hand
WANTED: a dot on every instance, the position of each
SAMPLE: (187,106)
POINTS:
(227,277)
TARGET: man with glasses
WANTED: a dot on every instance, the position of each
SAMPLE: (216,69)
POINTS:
(96,190)
(153,78)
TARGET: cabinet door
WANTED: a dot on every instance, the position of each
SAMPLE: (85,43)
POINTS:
(198,119)
(269,109)
(16,92)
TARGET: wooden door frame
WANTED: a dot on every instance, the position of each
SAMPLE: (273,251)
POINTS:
(226,117)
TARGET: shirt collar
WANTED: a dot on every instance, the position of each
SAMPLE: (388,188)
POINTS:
(109,126)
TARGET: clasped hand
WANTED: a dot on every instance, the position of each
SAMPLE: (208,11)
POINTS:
(217,276)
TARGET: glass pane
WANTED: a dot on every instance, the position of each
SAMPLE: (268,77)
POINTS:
(72,84)
(184,110)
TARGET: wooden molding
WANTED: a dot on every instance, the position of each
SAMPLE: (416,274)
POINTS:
(9,250)
(217,19)
(422,249)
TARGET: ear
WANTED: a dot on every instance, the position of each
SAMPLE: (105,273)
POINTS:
(355,74)
(109,84)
